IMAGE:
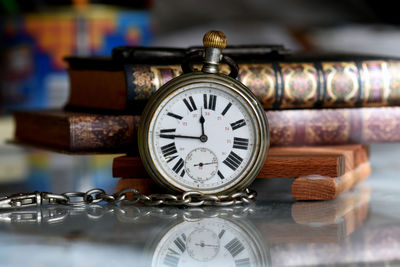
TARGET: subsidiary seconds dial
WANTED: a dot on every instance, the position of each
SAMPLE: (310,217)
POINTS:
(201,164)
(203,137)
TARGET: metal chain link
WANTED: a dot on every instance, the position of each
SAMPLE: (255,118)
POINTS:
(126,196)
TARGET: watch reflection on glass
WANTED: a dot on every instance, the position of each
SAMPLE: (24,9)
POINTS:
(210,242)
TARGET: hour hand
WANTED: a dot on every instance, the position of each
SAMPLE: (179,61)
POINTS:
(203,137)
(202,120)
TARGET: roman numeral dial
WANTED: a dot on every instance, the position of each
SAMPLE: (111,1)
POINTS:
(175,252)
(233,161)
(169,149)
(238,124)
(190,104)
(228,106)
(209,101)
(240,143)
(234,247)
(180,243)
(178,166)
(167,133)
(203,140)
(173,115)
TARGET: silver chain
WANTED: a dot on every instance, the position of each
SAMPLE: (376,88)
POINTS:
(126,196)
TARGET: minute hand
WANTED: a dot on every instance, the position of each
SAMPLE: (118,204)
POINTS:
(172,136)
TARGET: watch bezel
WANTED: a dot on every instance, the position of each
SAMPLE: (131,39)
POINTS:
(199,77)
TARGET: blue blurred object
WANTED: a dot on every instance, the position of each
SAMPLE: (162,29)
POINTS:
(33,47)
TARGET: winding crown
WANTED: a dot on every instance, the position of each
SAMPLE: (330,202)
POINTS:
(215,39)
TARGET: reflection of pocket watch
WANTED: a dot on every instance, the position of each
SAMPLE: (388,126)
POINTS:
(204,131)
(210,242)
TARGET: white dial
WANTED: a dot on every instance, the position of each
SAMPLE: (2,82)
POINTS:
(203,137)
(208,242)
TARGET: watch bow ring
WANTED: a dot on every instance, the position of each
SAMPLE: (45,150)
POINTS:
(204,131)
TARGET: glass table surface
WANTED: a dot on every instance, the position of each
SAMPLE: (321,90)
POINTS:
(359,228)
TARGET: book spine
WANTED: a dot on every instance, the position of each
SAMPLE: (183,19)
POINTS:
(288,85)
(287,128)
(103,133)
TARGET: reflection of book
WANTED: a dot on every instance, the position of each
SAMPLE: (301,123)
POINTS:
(113,133)
(290,83)
(320,222)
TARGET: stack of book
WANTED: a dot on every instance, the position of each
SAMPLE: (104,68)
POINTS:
(323,113)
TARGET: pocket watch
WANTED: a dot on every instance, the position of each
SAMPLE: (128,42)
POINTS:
(204,131)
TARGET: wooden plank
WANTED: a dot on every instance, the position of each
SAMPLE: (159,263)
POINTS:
(303,188)
(283,162)
(276,166)
(353,155)
(325,188)
(295,165)
(319,170)
(128,167)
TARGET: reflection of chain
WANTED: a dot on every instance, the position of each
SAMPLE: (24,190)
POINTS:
(93,196)
(130,214)
(126,214)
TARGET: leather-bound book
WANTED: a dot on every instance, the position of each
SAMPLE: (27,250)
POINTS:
(116,133)
(76,132)
(279,80)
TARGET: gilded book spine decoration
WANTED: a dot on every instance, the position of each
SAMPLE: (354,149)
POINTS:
(288,85)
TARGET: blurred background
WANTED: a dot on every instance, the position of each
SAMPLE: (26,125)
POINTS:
(37,35)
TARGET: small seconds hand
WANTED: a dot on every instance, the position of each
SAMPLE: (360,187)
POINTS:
(202,164)
(206,245)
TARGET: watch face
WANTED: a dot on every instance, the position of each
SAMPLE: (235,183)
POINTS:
(208,242)
(204,137)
